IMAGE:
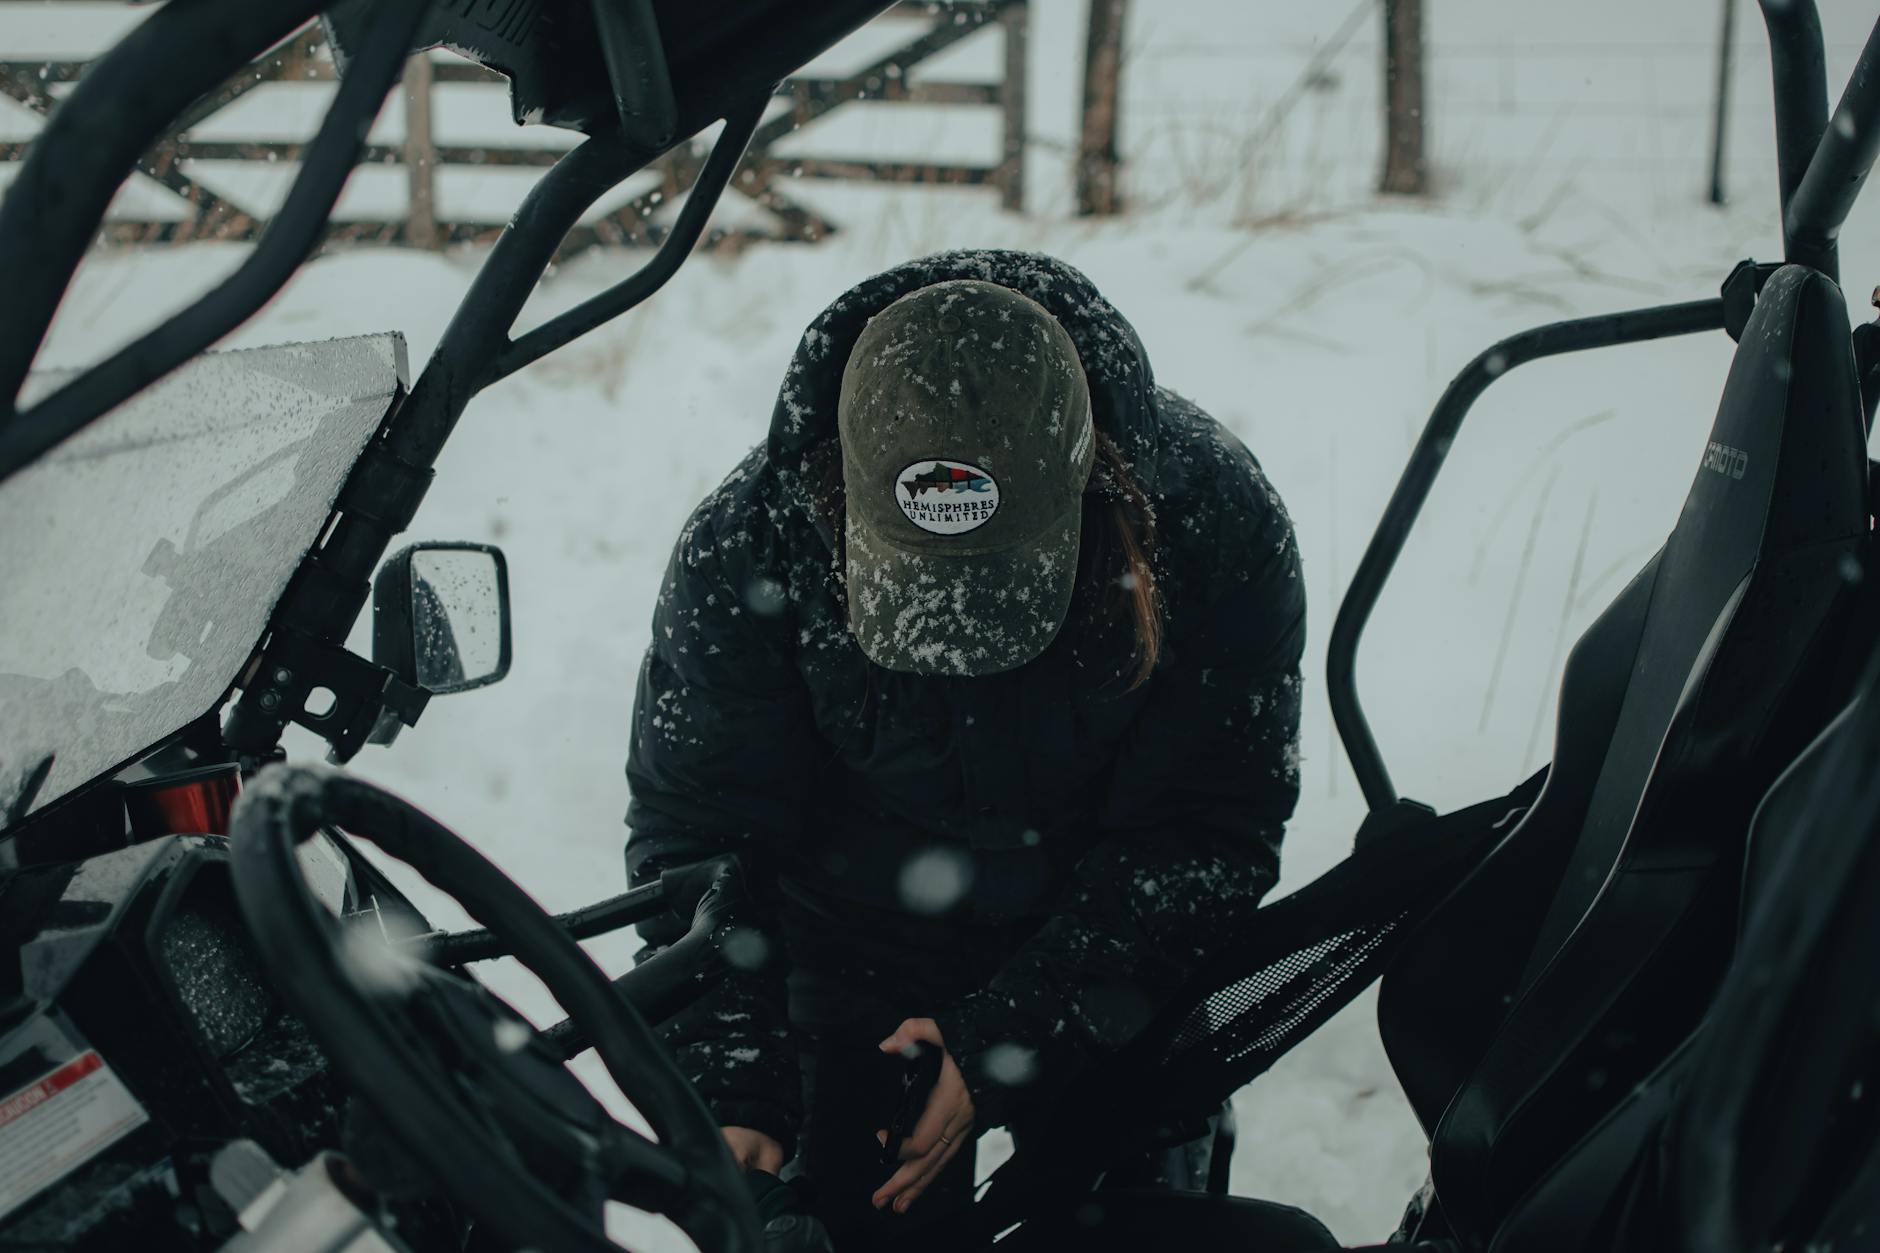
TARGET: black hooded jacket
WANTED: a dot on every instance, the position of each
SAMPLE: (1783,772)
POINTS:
(1043,855)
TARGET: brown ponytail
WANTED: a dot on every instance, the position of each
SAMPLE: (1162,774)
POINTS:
(1124,552)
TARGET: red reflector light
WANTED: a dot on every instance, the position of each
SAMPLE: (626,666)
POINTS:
(192,802)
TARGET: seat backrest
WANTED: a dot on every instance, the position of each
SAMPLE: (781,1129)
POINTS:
(1775,1133)
(1446,992)
(1762,1115)
(1590,940)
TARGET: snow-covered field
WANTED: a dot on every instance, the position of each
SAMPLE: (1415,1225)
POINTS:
(1318,323)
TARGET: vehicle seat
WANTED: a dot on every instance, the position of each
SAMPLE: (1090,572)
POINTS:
(1776,1133)
(1762,1112)
(1611,907)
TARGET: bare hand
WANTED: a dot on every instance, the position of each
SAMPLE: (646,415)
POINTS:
(753,1150)
(945,1126)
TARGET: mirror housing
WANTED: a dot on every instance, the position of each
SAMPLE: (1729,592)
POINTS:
(440,616)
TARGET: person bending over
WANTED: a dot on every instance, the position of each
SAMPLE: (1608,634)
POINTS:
(986,662)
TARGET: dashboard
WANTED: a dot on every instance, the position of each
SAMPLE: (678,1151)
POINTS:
(139,1037)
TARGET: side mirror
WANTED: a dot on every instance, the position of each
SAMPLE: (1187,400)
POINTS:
(440,616)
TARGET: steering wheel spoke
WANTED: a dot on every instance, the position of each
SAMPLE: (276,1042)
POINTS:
(456,1077)
(640,1173)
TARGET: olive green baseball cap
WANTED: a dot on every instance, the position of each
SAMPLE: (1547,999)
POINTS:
(966,446)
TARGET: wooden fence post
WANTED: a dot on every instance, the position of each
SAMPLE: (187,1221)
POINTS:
(1098,189)
(1406,171)
(1013,93)
(420,156)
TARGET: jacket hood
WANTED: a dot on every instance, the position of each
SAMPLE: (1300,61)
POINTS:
(1117,368)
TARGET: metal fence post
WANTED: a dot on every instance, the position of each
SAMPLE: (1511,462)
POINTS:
(420,156)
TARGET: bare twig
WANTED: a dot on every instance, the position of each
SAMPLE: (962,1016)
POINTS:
(1321,285)
(1314,70)
(1514,600)
(1334,590)
(1543,458)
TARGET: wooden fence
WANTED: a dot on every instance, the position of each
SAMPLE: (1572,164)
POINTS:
(763,178)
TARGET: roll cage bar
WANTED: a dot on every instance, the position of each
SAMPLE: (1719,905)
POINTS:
(1820,170)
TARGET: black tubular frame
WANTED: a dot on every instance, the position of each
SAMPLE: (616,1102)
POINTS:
(1426,460)
(334,581)
(630,43)
(476,350)
(1820,171)
(58,198)
(676,891)
(289,239)
(1812,217)
(460,948)
(1799,66)
(710,69)
(616,300)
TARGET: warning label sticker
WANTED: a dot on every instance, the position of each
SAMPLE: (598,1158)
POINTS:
(50,1127)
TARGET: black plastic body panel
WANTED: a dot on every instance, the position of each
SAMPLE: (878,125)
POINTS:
(140,954)
(715,54)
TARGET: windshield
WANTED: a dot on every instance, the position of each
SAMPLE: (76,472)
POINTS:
(140,560)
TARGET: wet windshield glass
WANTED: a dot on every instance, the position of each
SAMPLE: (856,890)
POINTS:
(140,560)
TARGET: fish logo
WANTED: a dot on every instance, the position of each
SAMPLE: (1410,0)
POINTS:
(945,476)
(946,497)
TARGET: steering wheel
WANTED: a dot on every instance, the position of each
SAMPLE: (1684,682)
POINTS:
(455,1077)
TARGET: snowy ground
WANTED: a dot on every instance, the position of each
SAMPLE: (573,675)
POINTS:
(1318,324)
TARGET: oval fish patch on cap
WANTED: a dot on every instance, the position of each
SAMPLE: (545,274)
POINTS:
(946,497)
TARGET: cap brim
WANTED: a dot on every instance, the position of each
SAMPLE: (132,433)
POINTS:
(965,615)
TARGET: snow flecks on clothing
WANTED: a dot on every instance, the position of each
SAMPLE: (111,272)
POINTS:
(1290,762)
(1288,693)
(1153,813)
(797,413)
(670,718)
(949,618)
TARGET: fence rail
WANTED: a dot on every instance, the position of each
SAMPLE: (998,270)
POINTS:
(219,214)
